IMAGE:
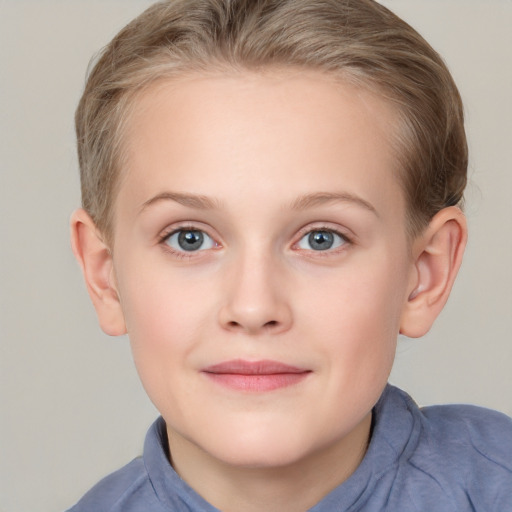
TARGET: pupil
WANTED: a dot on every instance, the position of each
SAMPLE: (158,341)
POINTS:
(190,240)
(321,240)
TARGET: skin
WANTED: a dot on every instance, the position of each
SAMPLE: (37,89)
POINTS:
(265,150)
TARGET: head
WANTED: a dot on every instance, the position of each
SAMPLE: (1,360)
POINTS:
(268,181)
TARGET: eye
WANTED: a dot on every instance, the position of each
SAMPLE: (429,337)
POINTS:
(322,240)
(189,240)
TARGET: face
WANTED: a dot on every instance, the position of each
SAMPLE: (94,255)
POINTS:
(261,260)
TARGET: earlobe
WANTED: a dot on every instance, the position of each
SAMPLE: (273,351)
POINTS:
(95,260)
(437,255)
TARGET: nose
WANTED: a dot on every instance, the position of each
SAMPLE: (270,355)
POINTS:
(255,298)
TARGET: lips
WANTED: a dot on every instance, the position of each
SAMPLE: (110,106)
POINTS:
(255,376)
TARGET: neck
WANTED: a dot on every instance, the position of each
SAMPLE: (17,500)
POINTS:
(295,487)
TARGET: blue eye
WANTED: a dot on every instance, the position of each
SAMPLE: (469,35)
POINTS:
(321,240)
(189,240)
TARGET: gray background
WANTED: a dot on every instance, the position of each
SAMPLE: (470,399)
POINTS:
(72,408)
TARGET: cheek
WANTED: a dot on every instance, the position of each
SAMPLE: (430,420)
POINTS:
(375,285)
(359,307)
(162,311)
(165,322)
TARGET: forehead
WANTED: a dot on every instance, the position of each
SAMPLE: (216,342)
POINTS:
(242,135)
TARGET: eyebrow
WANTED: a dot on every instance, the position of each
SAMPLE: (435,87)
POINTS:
(191,200)
(321,198)
(301,203)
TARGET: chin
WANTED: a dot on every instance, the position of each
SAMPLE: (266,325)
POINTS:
(266,458)
(259,449)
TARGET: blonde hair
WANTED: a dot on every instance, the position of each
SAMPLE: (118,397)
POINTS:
(358,40)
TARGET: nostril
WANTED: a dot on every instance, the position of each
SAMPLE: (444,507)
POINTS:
(236,325)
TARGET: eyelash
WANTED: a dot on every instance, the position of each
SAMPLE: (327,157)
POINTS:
(180,254)
(347,241)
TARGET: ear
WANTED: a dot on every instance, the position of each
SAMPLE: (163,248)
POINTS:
(95,259)
(437,256)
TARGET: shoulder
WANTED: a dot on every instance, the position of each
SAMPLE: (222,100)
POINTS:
(470,431)
(467,452)
(121,490)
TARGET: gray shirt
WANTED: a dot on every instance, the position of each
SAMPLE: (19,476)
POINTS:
(452,458)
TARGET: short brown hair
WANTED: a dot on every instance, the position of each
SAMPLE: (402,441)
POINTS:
(358,40)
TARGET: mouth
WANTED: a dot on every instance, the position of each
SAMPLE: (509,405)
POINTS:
(255,376)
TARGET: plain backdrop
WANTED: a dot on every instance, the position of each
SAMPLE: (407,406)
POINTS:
(72,408)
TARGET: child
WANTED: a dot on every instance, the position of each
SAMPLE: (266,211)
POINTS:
(271,194)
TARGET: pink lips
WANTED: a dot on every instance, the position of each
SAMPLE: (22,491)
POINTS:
(255,375)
